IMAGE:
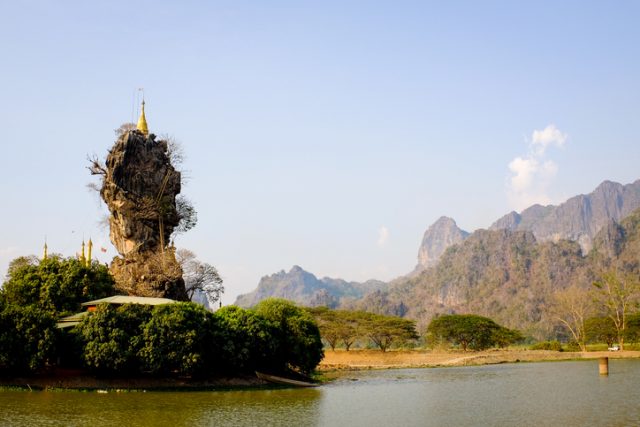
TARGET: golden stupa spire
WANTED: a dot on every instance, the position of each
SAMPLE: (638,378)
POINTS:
(142,122)
(82,257)
(45,252)
(89,247)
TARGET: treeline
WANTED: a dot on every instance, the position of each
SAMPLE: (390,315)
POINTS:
(348,327)
(171,339)
(465,331)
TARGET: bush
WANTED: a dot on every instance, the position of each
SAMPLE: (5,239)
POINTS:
(112,337)
(57,285)
(301,346)
(177,339)
(27,338)
(547,345)
(245,342)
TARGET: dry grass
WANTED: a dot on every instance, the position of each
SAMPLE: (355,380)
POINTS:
(373,359)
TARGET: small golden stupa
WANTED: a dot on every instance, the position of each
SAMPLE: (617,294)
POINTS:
(142,122)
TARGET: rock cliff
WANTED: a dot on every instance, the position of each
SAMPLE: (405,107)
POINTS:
(438,237)
(580,218)
(139,186)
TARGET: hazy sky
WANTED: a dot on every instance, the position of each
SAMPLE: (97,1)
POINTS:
(324,134)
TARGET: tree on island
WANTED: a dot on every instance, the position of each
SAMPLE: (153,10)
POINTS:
(199,277)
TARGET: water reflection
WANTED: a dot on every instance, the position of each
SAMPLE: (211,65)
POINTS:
(535,394)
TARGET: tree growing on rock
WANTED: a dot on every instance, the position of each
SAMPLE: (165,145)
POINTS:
(199,277)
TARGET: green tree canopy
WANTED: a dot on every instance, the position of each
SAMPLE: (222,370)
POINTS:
(600,329)
(27,338)
(177,339)
(469,331)
(245,342)
(56,284)
(112,337)
(299,334)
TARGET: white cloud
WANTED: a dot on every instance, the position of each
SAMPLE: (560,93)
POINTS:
(550,135)
(532,175)
(383,236)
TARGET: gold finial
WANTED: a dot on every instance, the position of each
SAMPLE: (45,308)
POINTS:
(45,253)
(89,246)
(142,122)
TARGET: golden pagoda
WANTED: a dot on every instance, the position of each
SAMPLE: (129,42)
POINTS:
(142,122)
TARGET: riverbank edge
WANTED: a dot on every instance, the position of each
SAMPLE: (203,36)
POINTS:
(87,383)
(354,360)
(407,359)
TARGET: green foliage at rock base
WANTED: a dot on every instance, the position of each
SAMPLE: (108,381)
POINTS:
(113,337)
(177,339)
(56,284)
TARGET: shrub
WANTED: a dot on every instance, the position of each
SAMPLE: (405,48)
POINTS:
(245,342)
(547,345)
(177,339)
(27,338)
(57,285)
(112,337)
(301,346)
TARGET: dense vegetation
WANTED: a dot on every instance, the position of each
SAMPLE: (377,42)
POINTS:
(172,339)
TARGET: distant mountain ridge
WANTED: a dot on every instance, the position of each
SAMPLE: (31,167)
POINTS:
(483,271)
(304,288)
(578,219)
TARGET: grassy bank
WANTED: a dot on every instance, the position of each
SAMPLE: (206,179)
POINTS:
(373,359)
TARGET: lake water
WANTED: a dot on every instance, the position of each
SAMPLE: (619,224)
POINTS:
(526,394)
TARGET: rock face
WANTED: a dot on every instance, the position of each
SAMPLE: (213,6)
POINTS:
(140,187)
(438,237)
(580,218)
(304,288)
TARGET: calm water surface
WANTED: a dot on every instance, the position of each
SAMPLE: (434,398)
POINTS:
(531,394)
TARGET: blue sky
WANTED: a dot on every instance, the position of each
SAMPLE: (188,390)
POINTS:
(324,134)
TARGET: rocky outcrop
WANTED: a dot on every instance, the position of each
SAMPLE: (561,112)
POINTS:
(140,186)
(580,218)
(438,237)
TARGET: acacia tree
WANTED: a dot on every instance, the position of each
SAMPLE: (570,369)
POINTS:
(618,293)
(571,307)
(470,331)
(386,330)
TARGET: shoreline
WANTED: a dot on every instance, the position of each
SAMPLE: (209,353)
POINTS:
(333,362)
(85,382)
(355,360)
